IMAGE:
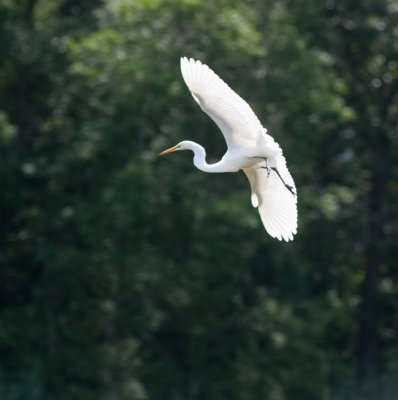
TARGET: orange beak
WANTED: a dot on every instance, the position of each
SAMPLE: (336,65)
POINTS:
(171,149)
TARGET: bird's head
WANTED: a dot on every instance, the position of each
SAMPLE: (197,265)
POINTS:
(184,145)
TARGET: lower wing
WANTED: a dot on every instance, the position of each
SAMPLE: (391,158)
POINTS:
(276,204)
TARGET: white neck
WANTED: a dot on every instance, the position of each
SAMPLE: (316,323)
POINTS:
(199,159)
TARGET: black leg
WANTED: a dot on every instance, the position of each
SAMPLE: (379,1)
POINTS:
(266,164)
(288,187)
(267,167)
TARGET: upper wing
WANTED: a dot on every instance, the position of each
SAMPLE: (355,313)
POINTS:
(276,205)
(228,110)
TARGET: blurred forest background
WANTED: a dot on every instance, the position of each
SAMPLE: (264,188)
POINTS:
(128,276)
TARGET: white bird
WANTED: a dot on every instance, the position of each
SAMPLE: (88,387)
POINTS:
(250,149)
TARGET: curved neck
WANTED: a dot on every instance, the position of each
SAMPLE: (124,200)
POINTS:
(199,159)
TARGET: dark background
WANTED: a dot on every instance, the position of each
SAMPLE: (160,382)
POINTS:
(129,276)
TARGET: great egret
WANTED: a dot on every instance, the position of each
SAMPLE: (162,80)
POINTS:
(250,149)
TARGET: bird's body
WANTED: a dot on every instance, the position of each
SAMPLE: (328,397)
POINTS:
(250,149)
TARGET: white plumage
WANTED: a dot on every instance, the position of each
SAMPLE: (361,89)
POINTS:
(250,148)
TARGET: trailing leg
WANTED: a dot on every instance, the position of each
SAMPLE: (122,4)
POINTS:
(288,187)
(268,168)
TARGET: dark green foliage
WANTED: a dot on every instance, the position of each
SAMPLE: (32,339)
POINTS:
(128,276)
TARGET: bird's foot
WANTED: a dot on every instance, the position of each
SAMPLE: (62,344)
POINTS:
(268,168)
(288,187)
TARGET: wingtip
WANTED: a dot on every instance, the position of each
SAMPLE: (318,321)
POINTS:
(186,62)
(285,237)
(190,60)
(183,66)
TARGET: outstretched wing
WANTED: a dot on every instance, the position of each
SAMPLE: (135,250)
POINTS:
(229,111)
(276,205)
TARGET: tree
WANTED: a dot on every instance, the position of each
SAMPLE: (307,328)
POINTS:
(135,277)
(360,41)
